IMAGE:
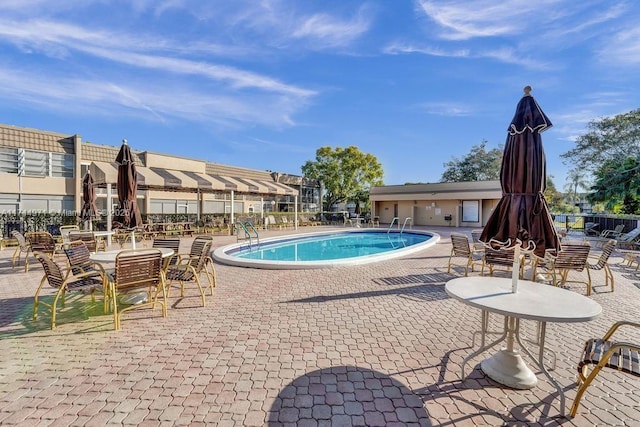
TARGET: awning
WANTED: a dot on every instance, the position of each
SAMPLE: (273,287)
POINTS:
(172,180)
(107,173)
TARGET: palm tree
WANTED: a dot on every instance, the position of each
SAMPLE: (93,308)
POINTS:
(576,180)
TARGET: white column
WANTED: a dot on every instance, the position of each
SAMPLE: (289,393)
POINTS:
(262,212)
(109,213)
(233,214)
(295,212)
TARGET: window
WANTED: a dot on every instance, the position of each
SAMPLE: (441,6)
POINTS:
(62,165)
(470,211)
(36,163)
(8,160)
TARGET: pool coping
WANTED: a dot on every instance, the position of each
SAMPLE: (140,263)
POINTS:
(222,255)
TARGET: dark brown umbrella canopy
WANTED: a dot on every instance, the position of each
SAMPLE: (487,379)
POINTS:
(127,186)
(522,212)
(89,209)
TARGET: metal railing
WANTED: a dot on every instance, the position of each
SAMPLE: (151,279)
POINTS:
(246,231)
(393,221)
(409,220)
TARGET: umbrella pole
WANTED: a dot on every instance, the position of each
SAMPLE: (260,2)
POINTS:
(516,268)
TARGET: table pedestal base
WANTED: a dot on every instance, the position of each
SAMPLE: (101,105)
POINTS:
(508,368)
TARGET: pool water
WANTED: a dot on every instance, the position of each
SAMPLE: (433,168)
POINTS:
(325,249)
(331,246)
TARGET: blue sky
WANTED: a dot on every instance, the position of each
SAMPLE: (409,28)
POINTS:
(263,84)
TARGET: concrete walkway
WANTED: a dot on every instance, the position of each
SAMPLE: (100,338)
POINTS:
(375,345)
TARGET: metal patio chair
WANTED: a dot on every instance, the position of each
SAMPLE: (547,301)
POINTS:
(602,262)
(137,272)
(606,353)
(556,268)
(85,283)
(189,267)
(461,248)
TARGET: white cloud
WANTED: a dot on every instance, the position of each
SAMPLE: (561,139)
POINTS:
(463,20)
(622,47)
(152,100)
(446,109)
(327,31)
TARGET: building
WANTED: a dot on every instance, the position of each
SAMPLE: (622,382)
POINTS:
(42,171)
(456,204)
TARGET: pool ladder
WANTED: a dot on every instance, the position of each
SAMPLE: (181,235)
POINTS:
(246,231)
(404,224)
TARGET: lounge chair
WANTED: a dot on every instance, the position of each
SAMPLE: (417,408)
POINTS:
(627,240)
(590,229)
(613,234)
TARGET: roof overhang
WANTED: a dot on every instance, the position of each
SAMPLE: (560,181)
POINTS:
(186,181)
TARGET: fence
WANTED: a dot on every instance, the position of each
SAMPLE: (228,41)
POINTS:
(604,222)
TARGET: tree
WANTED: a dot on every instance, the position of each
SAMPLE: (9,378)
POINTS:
(617,184)
(347,174)
(554,199)
(575,180)
(610,138)
(478,165)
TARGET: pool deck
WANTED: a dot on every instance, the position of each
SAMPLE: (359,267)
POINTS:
(377,345)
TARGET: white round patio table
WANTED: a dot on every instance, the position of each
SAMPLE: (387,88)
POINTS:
(533,301)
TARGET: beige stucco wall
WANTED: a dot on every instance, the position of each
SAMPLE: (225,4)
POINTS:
(37,185)
(177,163)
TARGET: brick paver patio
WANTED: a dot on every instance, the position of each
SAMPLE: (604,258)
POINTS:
(375,345)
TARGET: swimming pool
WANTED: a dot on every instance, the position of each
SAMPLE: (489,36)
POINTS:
(325,249)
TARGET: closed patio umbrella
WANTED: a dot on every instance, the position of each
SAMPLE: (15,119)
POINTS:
(522,213)
(89,209)
(127,186)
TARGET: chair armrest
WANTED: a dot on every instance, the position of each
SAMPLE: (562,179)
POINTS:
(615,327)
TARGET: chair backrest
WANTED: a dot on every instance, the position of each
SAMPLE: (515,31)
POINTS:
(475,236)
(607,249)
(169,244)
(52,271)
(460,243)
(22,241)
(139,269)
(41,241)
(65,230)
(502,257)
(618,229)
(208,239)
(572,256)
(78,256)
(88,238)
(200,249)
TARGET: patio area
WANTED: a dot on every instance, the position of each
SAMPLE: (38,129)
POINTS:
(371,345)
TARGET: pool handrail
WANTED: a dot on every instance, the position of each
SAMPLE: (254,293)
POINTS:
(246,227)
(393,221)
(407,219)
